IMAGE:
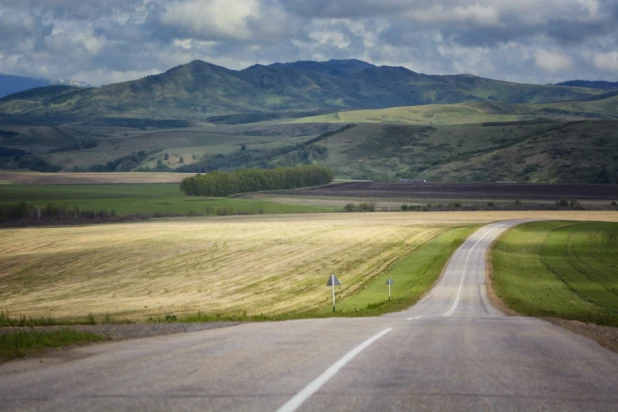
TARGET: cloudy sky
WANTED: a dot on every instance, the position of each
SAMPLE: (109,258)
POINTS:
(534,41)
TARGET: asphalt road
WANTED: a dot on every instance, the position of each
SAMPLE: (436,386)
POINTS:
(452,351)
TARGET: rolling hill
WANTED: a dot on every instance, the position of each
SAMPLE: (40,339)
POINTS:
(532,151)
(592,84)
(10,84)
(365,121)
(603,106)
(199,91)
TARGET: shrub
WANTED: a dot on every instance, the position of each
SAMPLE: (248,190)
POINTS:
(367,207)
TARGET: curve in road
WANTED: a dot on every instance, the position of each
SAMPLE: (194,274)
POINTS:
(451,351)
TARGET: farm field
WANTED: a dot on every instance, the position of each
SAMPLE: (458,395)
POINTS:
(228,266)
(143,199)
(462,191)
(43,192)
(559,269)
(35,178)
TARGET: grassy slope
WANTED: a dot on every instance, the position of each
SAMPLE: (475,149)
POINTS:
(549,152)
(559,269)
(54,143)
(475,112)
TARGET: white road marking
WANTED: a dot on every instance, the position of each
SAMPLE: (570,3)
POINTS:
(463,276)
(418,317)
(314,386)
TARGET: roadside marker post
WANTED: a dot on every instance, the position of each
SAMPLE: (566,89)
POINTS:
(389,282)
(333,281)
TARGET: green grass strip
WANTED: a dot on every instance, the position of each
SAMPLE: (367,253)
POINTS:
(412,276)
(559,269)
(19,344)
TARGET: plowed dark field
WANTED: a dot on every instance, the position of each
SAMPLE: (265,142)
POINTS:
(464,191)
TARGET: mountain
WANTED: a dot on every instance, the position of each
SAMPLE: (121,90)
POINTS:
(10,84)
(200,91)
(597,84)
(331,67)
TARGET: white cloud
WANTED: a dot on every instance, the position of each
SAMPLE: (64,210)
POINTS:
(519,40)
(215,19)
(552,62)
(606,61)
(472,14)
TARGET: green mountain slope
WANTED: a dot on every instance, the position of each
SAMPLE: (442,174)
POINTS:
(199,91)
(549,152)
(603,106)
(583,151)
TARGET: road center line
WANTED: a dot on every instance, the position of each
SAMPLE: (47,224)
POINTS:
(463,276)
(418,317)
(318,382)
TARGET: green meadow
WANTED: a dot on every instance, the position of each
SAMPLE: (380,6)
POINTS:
(559,269)
(149,199)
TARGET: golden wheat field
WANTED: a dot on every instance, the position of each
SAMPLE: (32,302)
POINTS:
(258,265)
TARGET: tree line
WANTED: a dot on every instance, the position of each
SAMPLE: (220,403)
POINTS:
(29,212)
(254,180)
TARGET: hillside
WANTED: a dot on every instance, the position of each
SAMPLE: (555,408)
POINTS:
(566,152)
(200,91)
(603,106)
(592,84)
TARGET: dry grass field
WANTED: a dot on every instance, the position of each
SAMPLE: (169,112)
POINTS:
(258,265)
(37,178)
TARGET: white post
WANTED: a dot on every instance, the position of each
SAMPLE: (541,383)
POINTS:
(332,280)
(389,290)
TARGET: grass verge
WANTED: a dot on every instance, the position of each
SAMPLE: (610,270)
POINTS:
(19,344)
(559,269)
(412,277)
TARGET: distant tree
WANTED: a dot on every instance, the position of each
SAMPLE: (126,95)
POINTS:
(250,180)
(562,203)
(193,156)
(243,147)
(404,208)
(167,156)
(367,207)
(159,162)
(182,160)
